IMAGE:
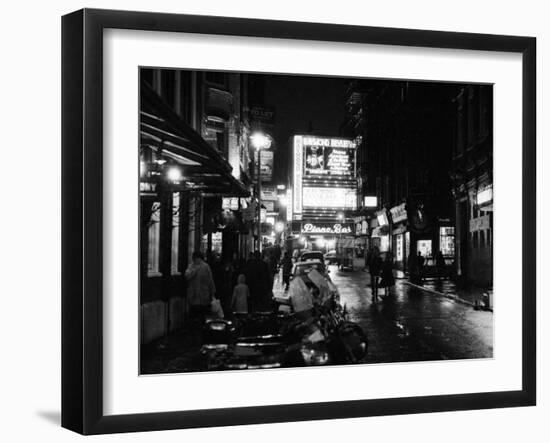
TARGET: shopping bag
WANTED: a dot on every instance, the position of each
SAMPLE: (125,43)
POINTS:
(216,308)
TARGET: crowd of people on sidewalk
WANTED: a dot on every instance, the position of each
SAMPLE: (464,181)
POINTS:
(380,267)
(233,285)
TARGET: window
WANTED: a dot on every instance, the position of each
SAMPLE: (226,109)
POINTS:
(476,239)
(175,232)
(221,142)
(481,239)
(447,240)
(399,247)
(153,240)
(424,247)
(488,237)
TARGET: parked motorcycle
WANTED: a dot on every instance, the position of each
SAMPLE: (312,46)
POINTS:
(318,336)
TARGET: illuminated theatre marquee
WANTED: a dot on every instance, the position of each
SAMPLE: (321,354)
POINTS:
(329,160)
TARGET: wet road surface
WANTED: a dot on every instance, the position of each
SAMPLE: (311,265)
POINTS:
(410,324)
(414,325)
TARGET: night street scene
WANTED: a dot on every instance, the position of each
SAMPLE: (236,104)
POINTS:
(293,221)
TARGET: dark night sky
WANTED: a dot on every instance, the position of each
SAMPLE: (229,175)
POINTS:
(299,100)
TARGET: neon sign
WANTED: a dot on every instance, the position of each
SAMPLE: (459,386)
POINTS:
(337,228)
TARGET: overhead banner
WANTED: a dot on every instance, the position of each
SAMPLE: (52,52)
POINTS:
(269,193)
(266,166)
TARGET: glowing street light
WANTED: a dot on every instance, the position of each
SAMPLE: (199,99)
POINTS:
(174,174)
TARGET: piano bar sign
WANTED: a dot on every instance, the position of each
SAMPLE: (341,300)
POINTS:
(337,228)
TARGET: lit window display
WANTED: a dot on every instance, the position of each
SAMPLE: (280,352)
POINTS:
(447,241)
(424,247)
(399,247)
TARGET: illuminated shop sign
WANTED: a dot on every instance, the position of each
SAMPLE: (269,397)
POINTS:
(327,228)
(370,201)
(398,213)
(485,196)
(382,218)
(314,197)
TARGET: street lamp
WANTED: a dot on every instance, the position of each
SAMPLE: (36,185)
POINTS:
(260,141)
(174,174)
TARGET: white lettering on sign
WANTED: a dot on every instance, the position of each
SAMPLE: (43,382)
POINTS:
(337,228)
(330,197)
(329,142)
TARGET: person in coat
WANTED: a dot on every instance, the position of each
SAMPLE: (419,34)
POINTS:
(258,281)
(375,267)
(200,287)
(388,280)
(286,264)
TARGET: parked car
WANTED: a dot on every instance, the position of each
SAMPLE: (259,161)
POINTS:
(331,257)
(312,255)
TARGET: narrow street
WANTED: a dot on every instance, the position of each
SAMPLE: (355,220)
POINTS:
(412,324)
(408,325)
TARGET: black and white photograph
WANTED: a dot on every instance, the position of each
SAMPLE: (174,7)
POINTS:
(301,221)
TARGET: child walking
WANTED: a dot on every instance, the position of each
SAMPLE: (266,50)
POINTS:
(239,300)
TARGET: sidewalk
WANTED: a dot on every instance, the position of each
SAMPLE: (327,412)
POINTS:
(447,288)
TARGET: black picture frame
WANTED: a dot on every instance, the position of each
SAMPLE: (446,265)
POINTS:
(82,232)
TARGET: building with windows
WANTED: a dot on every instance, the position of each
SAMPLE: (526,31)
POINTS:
(194,182)
(472,181)
(404,133)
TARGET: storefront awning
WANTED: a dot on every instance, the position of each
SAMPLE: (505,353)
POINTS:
(204,168)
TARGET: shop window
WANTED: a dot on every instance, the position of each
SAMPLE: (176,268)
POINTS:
(153,241)
(221,142)
(475,242)
(175,232)
(407,244)
(481,239)
(385,243)
(424,247)
(447,241)
(399,247)
(488,237)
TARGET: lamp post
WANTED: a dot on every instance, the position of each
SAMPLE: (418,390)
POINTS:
(260,141)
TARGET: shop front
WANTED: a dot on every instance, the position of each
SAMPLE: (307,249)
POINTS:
(182,182)
(400,236)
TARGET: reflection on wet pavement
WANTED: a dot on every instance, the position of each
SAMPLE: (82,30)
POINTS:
(411,324)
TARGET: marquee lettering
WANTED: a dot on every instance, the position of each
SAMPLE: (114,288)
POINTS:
(337,228)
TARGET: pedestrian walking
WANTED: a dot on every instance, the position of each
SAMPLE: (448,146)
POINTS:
(241,294)
(440,265)
(375,265)
(420,264)
(388,280)
(200,288)
(286,264)
(258,280)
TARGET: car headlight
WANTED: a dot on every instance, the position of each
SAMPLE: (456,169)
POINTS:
(314,357)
